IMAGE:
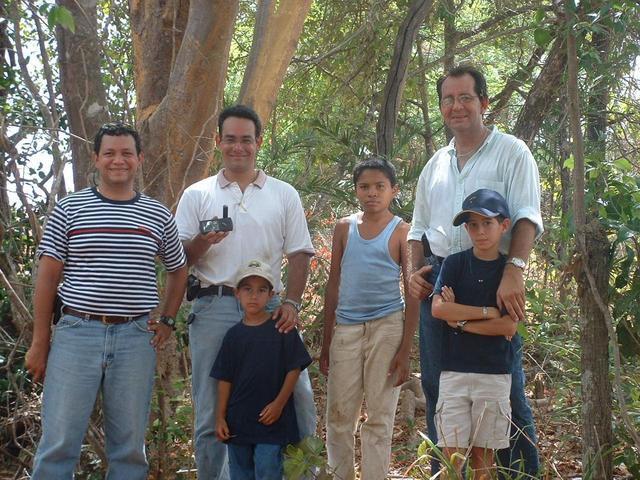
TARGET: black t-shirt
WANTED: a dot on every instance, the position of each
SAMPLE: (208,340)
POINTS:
(474,282)
(255,360)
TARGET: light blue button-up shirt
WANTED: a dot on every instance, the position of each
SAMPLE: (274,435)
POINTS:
(503,163)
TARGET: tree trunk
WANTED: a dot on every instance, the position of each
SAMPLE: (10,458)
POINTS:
(178,131)
(543,94)
(596,385)
(394,87)
(83,92)
(161,24)
(275,38)
(593,247)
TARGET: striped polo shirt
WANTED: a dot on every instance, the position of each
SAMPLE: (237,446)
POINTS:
(109,251)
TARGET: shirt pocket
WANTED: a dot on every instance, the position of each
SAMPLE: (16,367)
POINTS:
(491,184)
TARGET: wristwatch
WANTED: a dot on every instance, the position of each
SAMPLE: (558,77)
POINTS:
(296,305)
(168,321)
(517,262)
(460,324)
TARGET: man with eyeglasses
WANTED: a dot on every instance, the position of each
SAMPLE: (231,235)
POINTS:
(102,242)
(268,224)
(477,157)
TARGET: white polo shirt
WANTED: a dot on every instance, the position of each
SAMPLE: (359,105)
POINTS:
(268,222)
(503,163)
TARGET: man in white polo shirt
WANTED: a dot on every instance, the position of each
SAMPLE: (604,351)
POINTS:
(268,223)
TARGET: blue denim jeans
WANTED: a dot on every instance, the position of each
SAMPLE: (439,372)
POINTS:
(522,454)
(88,357)
(213,316)
(255,462)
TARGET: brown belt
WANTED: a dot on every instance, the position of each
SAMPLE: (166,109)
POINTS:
(106,319)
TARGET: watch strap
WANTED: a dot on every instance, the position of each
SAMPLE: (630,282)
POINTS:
(168,321)
(296,305)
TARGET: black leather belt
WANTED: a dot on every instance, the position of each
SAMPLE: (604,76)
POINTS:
(107,319)
(220,290)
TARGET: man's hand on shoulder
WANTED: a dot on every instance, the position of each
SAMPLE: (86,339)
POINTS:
(511,292)
(36,360)
(286,316)
(419,287)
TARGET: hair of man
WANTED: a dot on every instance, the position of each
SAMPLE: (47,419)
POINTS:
(480,82)
(116,129)
(375,162)
(240,111)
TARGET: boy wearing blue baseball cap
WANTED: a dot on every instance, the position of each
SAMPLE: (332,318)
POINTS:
(473,414)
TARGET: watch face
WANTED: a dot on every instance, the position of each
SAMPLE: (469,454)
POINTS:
(168,321)
(518,262)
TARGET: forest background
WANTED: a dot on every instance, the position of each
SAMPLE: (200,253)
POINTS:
(335,81)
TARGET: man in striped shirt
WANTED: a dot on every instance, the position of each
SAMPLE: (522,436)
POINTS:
(102,242)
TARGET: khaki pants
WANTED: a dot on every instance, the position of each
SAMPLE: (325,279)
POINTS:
(360,358)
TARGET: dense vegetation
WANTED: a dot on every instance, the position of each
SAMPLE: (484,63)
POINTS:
(326,116)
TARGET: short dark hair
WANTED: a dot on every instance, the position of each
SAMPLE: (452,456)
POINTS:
(375,162)
(116,129)
(461,70)
(240,111)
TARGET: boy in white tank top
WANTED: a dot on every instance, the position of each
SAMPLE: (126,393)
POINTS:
(368,328)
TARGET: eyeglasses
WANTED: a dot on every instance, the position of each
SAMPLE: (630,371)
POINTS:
(463,99)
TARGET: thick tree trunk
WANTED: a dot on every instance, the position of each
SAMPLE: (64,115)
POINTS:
(275,38)
(161,24)
(543,94)
(83,92)
(394,87)
(178,131)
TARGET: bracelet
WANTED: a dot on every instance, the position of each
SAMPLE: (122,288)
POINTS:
(485,313)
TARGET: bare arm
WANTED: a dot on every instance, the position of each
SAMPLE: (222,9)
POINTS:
(173,293)
(271,413)
(456,312)
(400,363)
(224,392)
(511,292)
(503,325)
(419,287)
(49,275)
(338,243)
(296,282)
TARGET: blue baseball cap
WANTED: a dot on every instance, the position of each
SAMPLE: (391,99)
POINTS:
(485,202)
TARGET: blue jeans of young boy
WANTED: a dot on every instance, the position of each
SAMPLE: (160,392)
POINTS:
(86,357)
(522,453)
(214,315)
(255,462)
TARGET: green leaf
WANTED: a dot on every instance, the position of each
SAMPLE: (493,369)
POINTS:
(623,164)
(569,163)
(61,16)
(539,16)
(542,36)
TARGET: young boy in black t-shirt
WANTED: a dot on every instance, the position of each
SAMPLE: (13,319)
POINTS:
(473,410)
(257,368)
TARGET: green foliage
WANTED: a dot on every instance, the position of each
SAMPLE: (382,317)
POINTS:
(307,459)
(59,15)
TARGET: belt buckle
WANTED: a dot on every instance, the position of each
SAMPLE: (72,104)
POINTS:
(103,319)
